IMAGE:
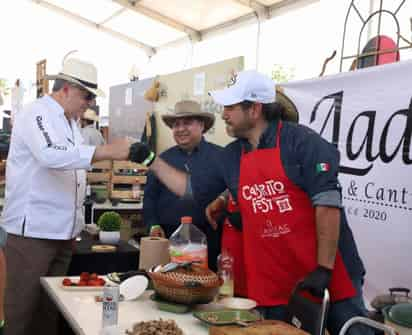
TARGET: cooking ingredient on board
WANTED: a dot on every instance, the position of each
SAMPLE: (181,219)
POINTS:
(86,279)
(188,244)
(155,327)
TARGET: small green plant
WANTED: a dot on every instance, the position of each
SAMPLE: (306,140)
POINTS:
(109,221)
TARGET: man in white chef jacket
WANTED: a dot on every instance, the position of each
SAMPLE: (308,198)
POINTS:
(45,188)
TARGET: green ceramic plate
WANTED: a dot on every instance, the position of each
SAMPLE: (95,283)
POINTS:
(168,306)
(226,317)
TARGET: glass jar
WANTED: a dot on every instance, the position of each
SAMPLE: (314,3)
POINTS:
(225,271)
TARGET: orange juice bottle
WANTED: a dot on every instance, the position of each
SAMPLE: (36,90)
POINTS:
(188,243)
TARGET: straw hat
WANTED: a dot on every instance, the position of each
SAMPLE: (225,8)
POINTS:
(291,113)
(189,108)
(80,73)
(91,115)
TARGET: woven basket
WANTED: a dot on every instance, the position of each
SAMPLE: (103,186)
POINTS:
(195,285)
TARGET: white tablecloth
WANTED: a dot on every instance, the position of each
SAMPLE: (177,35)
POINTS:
(84,314)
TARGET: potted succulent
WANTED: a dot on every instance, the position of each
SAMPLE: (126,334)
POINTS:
(109,224)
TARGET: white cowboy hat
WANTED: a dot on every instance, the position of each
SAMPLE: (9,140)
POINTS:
(189,108)
(91,115)
(80,73)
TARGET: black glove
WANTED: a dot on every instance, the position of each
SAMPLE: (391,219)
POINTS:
(316,281)
(140,153)
(235,219)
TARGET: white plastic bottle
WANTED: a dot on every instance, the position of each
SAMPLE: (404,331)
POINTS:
(188,243)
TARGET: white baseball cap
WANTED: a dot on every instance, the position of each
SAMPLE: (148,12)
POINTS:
(246,85)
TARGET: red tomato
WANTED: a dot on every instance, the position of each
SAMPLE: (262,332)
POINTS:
(101,281)
(84,276)
(82,283)
(93,276)
(93,282)
(67,282)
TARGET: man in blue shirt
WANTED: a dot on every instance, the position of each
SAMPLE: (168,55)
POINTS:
(162,209)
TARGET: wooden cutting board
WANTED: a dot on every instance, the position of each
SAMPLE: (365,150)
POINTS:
(267,327)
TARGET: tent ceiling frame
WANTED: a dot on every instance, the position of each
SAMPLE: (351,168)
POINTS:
(149,50)
(136,7)
(115,14)
(274,10)
(261,12)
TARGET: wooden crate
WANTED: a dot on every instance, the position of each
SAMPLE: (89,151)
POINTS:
(102,176)
(128,179)
(118,165)
(2,172)
(124,194)
(104,165)
(117,178)
(98,177)
(41,82)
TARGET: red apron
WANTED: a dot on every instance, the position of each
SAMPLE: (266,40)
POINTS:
(232,241)
(279,231)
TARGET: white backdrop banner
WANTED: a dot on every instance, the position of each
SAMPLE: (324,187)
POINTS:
(367,114)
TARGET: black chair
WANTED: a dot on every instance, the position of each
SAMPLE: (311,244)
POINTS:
(307,314)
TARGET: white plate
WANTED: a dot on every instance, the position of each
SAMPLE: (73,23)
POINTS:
(238,303)
(133,287)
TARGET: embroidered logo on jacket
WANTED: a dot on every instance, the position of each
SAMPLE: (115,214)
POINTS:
(46,135)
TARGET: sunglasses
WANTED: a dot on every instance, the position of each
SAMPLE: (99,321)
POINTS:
(88,96)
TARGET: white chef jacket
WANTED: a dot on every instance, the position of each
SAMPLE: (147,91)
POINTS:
(91,135)
(45,174)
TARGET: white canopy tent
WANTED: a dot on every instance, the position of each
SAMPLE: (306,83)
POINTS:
(156,24)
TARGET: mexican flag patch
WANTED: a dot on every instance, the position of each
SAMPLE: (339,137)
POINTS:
(322,167)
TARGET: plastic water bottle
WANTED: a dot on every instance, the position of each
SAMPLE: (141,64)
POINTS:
(188,244)
(225,271)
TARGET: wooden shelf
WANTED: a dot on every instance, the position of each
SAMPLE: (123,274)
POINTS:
(119,165)
(98,177)
(128,179)
(104,165)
